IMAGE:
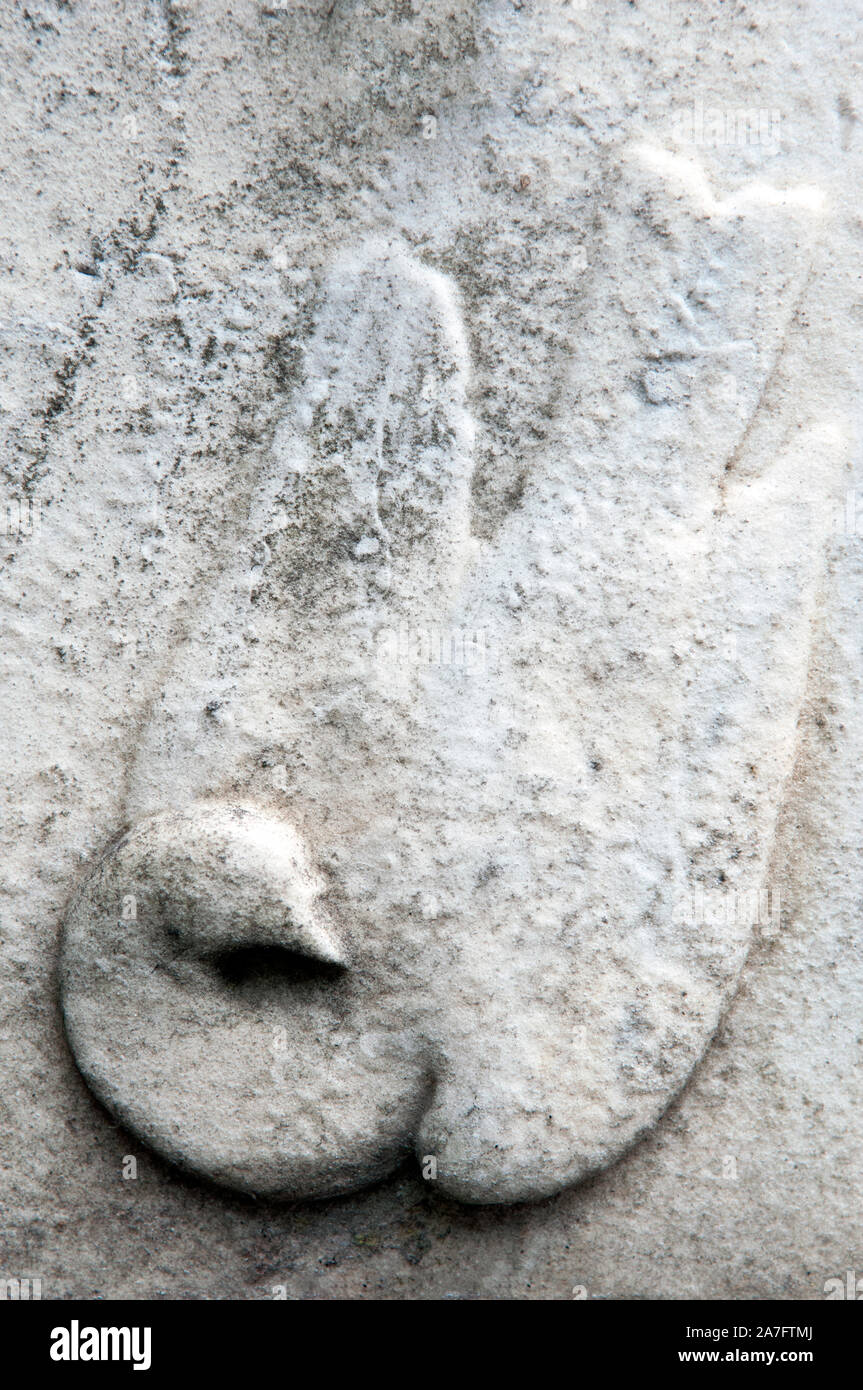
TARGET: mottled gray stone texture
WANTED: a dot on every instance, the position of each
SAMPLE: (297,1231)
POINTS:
(432,652)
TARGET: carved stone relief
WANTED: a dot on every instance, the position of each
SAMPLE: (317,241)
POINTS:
(431,648)
(451,844)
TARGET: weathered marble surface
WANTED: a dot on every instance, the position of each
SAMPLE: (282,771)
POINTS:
(581,309)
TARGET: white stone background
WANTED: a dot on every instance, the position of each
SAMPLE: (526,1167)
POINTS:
(163,133)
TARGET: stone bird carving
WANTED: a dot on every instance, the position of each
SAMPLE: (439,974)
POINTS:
(455,845)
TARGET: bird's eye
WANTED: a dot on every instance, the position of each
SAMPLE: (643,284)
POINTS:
(263,967)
